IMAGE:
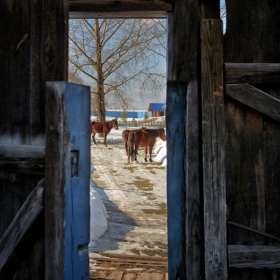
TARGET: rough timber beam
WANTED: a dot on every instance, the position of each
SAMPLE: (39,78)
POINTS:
(118,9)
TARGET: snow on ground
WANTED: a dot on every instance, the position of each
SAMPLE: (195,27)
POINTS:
(99,216)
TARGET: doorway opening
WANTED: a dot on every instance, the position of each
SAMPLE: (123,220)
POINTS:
(128,201)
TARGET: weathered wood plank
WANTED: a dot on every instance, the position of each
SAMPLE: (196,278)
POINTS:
(127,9)
(15,71)
(252,164)
(185,223)
(22,158)
(31,208)
(254,230)
(254,256)
(209,9)
(27,166)
(193,219)
(213,149)
(176,193)
(256,99)
(120,6)
(125,14)
(67,180)
(22,151)
(237,73)
(57,141)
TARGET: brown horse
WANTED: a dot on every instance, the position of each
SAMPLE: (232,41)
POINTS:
(143,138)
(103,127)
(125,136)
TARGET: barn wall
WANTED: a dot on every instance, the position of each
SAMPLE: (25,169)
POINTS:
(33,50)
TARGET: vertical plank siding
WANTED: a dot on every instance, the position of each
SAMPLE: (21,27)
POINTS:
(213,150)
(185,248)
(15,70)
(33,49)
(194,229)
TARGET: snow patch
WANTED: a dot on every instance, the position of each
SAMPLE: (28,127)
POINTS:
(98,214)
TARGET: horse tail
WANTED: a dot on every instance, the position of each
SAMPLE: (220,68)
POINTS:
(125,141)
(131,145)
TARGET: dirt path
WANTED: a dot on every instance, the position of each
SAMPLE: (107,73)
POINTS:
(135,199)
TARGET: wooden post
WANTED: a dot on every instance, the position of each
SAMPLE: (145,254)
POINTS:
(185,259)
(176,98)
(213,149)
(67,181)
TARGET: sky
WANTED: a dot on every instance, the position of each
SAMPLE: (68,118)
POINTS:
(143,104)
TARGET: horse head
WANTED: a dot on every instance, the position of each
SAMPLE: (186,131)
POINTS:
(162,135)
(115,124)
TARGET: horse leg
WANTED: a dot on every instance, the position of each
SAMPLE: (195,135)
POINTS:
(150,152)
(128,152)
(93,138)
(130,147)
(135,152)
(105,136)
(146,152)
(127,149)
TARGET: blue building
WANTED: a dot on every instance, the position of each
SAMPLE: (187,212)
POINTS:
(157,109)
(136,114)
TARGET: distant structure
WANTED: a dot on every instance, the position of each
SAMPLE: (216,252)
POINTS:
(131,114)
(157,109)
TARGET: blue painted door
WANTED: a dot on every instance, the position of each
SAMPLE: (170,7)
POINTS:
(67,209)
(77,208)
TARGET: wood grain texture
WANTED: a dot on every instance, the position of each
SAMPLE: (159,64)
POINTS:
(213,149)
(26,215)
(254,256)
(252,138)
(22,151)
(256,99)
(194,220)
(185,223)
(57,141)
(239,73)
(27,166)
(132,5)
(119,9)
(176,190)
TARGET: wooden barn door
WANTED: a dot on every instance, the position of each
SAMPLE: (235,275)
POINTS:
(240,154)
(67,176)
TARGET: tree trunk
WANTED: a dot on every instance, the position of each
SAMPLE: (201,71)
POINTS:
(100,76)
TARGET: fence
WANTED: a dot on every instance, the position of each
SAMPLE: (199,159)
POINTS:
(147,124)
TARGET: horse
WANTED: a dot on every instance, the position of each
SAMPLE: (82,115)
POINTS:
(143,138)
(125,136)
(103,127)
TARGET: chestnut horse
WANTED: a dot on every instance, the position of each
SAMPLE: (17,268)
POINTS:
(143,138)
(103,127)
(125,136)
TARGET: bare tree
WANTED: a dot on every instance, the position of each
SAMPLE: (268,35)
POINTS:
(115,56)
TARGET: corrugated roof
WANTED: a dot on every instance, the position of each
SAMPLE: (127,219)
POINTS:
(158,107)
